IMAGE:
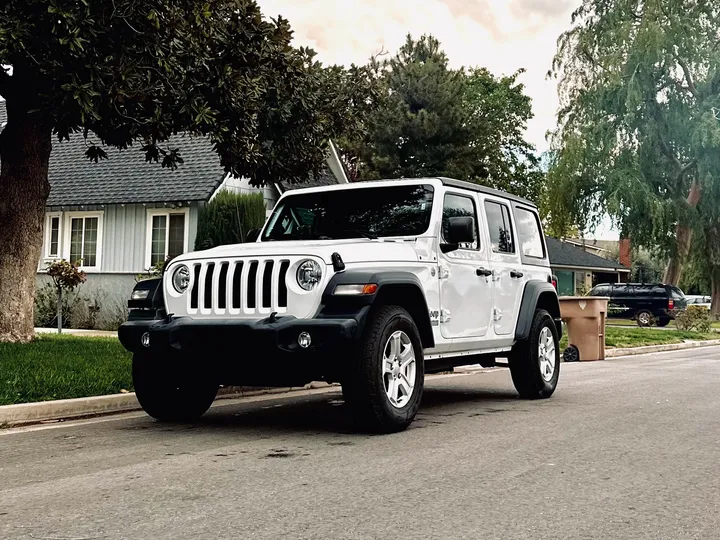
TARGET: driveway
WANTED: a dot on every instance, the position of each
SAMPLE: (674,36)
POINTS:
(626,449)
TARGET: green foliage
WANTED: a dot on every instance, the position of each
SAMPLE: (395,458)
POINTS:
(639,85)
(130,71)
(432,120)
(156,270)
(228,218)
(695,318)
(646,267)
(65,275)
(63,367)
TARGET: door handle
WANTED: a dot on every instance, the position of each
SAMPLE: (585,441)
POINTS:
(515,274)
(484,272)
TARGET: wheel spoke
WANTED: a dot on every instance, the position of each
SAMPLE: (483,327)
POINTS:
(405,382)
(392,390)
(395,346)
(407,356)
(387,365)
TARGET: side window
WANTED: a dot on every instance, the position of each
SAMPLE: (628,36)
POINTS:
(460,206)
(500,227)
(529,233)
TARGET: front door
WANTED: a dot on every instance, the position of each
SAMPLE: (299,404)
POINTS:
(465,287)
(508,277)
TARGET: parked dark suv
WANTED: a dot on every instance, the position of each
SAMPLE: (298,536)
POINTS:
(643,302)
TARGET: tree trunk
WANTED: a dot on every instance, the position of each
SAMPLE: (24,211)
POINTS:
(683,236)
(715,305)
(25,146)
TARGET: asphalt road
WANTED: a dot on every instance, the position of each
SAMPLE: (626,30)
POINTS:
(627,448)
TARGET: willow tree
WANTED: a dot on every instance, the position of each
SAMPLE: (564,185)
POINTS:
(638,125)
(127,72)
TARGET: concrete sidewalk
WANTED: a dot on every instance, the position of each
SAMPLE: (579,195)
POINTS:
(75,332)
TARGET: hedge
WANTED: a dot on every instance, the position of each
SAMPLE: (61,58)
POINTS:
(228,217)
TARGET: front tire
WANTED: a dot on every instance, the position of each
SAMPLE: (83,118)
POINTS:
(168,393)
(535,363)
(384,384)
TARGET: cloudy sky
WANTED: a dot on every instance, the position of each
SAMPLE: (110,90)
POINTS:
(502,35)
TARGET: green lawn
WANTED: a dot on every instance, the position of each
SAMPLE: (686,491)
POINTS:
(638,337)
(59,367)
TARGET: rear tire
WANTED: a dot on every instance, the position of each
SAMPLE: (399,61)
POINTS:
(384,384)
(169,394)
(644,319)
(662,323)
(535,363)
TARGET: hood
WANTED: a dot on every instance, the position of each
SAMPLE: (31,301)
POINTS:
(351,251)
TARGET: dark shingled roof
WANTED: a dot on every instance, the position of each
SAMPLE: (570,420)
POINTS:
(125,177)
(3,113)
(564,254)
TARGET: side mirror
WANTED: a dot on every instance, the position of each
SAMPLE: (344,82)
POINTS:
(252,235)
(461,230)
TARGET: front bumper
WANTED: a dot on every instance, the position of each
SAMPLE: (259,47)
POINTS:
(262,351)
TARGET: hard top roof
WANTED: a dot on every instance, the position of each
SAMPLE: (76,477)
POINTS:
(449,182)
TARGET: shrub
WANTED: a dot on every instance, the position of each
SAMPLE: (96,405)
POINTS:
(694,318)
(46,298)
(228,218)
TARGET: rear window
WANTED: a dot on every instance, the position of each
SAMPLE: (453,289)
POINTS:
(676,293)
(600,290)
(529,233)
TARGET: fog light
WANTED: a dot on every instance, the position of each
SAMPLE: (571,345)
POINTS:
(304,340)
(145,339)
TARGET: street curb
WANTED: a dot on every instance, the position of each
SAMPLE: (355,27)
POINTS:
(66,409)
(633,351)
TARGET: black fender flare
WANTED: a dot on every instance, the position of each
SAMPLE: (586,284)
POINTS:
(154,301)
(537,294)
(394,287)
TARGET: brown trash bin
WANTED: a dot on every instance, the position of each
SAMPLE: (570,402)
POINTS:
(584,317)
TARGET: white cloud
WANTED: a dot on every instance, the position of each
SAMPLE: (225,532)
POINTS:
(502,35)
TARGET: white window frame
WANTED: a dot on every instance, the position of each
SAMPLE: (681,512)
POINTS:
(49,216)
(151,213)
(67,222)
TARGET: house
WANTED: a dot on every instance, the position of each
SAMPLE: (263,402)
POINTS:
(122,215)
(578,270)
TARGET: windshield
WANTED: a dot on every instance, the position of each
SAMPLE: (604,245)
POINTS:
(353,213)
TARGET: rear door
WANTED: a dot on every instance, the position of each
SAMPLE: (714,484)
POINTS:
(507,271)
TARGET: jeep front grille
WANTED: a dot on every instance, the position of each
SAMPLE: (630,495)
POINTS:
(241,286)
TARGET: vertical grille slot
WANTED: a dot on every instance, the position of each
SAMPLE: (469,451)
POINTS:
(236,284)
(208,286)
(282,285)
(267,284)
(222,286)
(195,287)
(252,285)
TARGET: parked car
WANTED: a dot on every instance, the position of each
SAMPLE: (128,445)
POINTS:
(645,303)
(696,300)
(372,285)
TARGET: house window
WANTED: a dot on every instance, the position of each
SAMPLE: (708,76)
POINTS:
(52,236)
(500,227)
(167,236)
(82,239)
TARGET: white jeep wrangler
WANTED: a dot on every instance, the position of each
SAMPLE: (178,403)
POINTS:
(370,284)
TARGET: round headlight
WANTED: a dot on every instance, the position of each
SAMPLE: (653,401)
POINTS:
(181,278)
(309,274)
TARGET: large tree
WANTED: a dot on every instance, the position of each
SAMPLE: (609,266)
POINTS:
(127,72)
(433,120)
(639,131)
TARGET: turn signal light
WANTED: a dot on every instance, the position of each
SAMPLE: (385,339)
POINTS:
(356,290)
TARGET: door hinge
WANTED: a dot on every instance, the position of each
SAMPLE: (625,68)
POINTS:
(443,273)
(445,315)
(497,314)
